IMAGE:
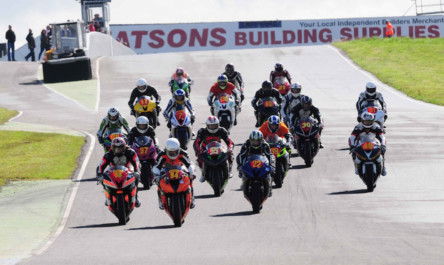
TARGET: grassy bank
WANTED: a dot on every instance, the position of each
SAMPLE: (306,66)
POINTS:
(33,156)
(413,66)
(6,114)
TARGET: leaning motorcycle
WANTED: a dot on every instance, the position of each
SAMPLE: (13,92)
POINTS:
(306,137)
(282,85)
(109,136)
(282,156)
(120,192)
(215,166)
(147,153)
(256,188)
(181,127)
(225,110)
(368,157)
(266,108)
(146,106)
(175,193)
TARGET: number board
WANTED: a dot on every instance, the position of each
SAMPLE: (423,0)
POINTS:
(256,164)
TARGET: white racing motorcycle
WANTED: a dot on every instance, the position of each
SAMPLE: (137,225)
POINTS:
(225,110)
(375,109)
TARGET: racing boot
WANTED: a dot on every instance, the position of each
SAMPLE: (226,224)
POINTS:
(202,178)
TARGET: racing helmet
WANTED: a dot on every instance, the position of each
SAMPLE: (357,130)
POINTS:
(274,123)
(179,96)
(256,139)
(142,85)
(370,90)
(212,124)
(266,85)
(222,81)
(179,71)
(367,120)
(118,146)
(306,102)
(172,148)
(295,89)
(229,68)
(113,115)
(142,124)
(278,68)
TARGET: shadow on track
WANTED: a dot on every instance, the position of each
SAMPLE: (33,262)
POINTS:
(244,213)
(346,192)
(153,227)
(298,167)
(86,180)
(31,83)
(96,226)
(204,196)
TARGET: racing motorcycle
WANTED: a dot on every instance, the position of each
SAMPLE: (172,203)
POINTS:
(181,83)
(368,157)
(109,136)
(281,84)
(120,192)
(181,127)
(147,153)
(282,156)
(256,188)
(267,107)
(306,138)
(146,106)
(225,110)
(175,193)
(375,109)
(215,166)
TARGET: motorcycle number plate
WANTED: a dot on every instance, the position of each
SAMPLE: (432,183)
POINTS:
(268,104)
(223,99)
(143,150)
(174,173)
(144,101)
(275,151)
(367,146)
(256,164)
(214,150)
(180,114)
(114,135)
(281,87)
(372,110)
(118,173)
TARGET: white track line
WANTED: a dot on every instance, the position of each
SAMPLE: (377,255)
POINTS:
(375,80)
(16,116)
(72,197)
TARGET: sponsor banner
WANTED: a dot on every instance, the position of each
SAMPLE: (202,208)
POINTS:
(154,38)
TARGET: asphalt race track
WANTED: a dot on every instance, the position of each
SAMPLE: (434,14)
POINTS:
(321,215)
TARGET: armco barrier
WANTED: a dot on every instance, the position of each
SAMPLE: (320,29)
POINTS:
(68,69)
(154,38)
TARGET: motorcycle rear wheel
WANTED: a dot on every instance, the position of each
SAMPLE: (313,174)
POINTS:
(216,182)
(121,211)
(279,175)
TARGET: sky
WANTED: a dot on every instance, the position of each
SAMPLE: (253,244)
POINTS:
(25,14)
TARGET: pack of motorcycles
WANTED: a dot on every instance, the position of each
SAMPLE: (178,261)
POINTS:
(120,185)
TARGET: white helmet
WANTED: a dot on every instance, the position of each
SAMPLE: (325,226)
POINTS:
(212,124)
(113,115)
(142,124)
(295,89)
(172,148)
(370,89)
(142,85)
(367,120)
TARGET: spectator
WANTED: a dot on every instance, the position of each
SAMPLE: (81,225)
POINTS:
(49,35)
(10,36)
(389,29)
(91,26)
(97,26)
(44,42)
(65,32)
(31,45)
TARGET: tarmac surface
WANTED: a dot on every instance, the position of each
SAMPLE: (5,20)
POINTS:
(321,215)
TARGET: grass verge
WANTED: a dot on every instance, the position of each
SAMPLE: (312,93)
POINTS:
(6,114)
(413,66)
(34,156)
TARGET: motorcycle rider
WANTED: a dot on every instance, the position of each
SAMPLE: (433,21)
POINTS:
(306,109)
(275,126)
(213,132)
(233,77)
(120,155)
(265,91)
(365,127)
(370,94)
(114,120)
(279,71)
(220,87)
(142,128)
(173,154)
(143,89)
(255,145)
(290,100)
(177,75)
(179,98)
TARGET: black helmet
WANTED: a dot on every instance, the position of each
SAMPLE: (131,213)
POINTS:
(266,85)
(278,67)
(229,68)
(306,102)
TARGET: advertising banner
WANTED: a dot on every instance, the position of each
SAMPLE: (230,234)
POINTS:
(155,38)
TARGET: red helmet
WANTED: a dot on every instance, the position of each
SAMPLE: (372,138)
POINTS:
(180,71)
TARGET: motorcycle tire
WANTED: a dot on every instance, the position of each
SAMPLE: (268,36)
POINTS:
(224,122)
(183,140)
(256,196)
(279,175)
(216,182)
(308,156)
(370,178)
(121,210)
(176,210)
(146,177)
